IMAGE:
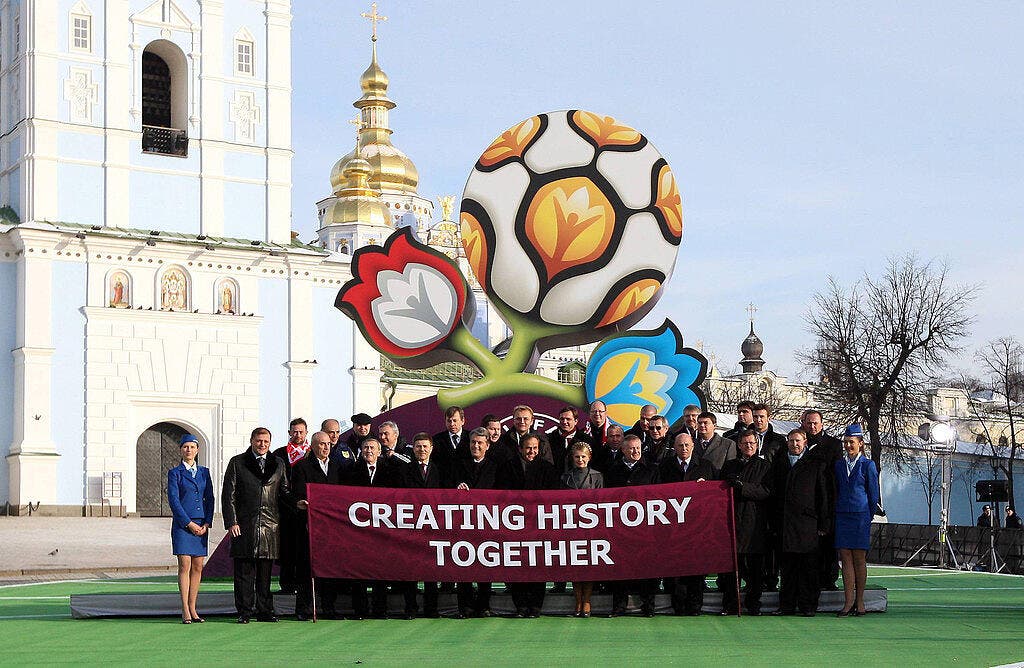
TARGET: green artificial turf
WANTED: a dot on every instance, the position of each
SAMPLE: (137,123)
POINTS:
(934,617)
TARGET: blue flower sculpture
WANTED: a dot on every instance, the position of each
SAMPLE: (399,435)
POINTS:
(635,368)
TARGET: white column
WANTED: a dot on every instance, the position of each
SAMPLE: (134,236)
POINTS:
(300,336)
(117,121)
(277,58)
(32,462)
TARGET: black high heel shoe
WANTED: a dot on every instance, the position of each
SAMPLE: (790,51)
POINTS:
(844,613)
(198,620)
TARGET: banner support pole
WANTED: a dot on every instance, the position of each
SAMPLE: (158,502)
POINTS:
(735,555)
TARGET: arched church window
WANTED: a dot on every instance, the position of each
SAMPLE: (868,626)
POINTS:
(156,91)
(164,99)
(174,290)
(119,290)
(226,297)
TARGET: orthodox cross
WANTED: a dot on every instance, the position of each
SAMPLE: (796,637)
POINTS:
(374,18)
(358,122)
(751,309)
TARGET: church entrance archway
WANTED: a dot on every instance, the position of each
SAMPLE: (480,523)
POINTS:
(156,453)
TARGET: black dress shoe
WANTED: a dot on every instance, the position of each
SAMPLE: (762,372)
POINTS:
(485,613)
(301,618)
(780,612)
(693,613)
(243,619)
(409,616)
(648,613)
(267,618)
(808,613)
(617,612)
(356,618)
(559,588)
(433,614)
(726,613)
(522,613)
(754,613)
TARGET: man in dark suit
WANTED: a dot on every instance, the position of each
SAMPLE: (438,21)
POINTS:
(640,427)
(689,422)
(317,468)
(682,466)
(477,472)
(750,477)
(769,445)
(559,440)
(452,444)
(422,473)
(508,446)
(361,425)
(829,449)
(628,471)
(291,453)
(255,484)
(528,471)
(745,413)
(659,445)
(801,515)
(371,470)
(711,447)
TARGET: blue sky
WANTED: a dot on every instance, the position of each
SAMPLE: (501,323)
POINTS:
(808,139)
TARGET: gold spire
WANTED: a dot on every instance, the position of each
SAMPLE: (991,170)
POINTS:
(391,170)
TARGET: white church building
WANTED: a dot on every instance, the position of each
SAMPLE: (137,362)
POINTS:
(150,282)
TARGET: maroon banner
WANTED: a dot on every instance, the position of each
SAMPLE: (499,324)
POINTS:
(521,536)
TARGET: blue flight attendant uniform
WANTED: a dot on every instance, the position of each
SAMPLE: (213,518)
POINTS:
(857,497)
(191,500)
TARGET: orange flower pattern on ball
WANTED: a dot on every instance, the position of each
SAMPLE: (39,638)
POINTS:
(669,202)
(630,299)
(569,222)
(511,142)
(605,130)
(475,245)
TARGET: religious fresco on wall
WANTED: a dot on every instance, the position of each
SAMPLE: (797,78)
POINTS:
(119,290)
(174,290)
(226,297)
(571,222)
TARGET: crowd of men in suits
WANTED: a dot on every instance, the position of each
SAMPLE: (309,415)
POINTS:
(782,484)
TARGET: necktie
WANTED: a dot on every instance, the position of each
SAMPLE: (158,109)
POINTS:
(262,463)
(685,466)
(455,440)
(423,468)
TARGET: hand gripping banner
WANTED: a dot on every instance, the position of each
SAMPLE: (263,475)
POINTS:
(521,536)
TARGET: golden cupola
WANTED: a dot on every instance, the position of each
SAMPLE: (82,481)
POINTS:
(390,169)
(357,201)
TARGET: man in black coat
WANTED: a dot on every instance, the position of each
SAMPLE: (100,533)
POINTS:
(452,444)
(528,471)
(801,515)
(255,484)
(371,470)
(361,425)
(563,436)
(422,473)
(682,466)
(745,413)
(291,453)
(317,468)
(710,447)
(750,477)
(508,446)
(769,444)
(660,444)
(827,448)
(477,472)
(640,427)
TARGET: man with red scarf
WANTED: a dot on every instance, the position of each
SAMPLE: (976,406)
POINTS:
(291,454)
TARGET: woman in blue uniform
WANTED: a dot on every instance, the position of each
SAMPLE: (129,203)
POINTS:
(857,500)
(190,495)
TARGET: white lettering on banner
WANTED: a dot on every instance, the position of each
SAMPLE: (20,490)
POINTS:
(493,554)
(470,517)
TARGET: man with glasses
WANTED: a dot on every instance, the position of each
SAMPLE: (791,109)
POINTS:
(659,444)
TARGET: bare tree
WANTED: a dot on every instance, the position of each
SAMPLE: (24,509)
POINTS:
(880,341)
(923,467)
(1002,360)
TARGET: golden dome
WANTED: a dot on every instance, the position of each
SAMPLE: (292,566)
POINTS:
(374,80)
(357,202)
(390,168)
